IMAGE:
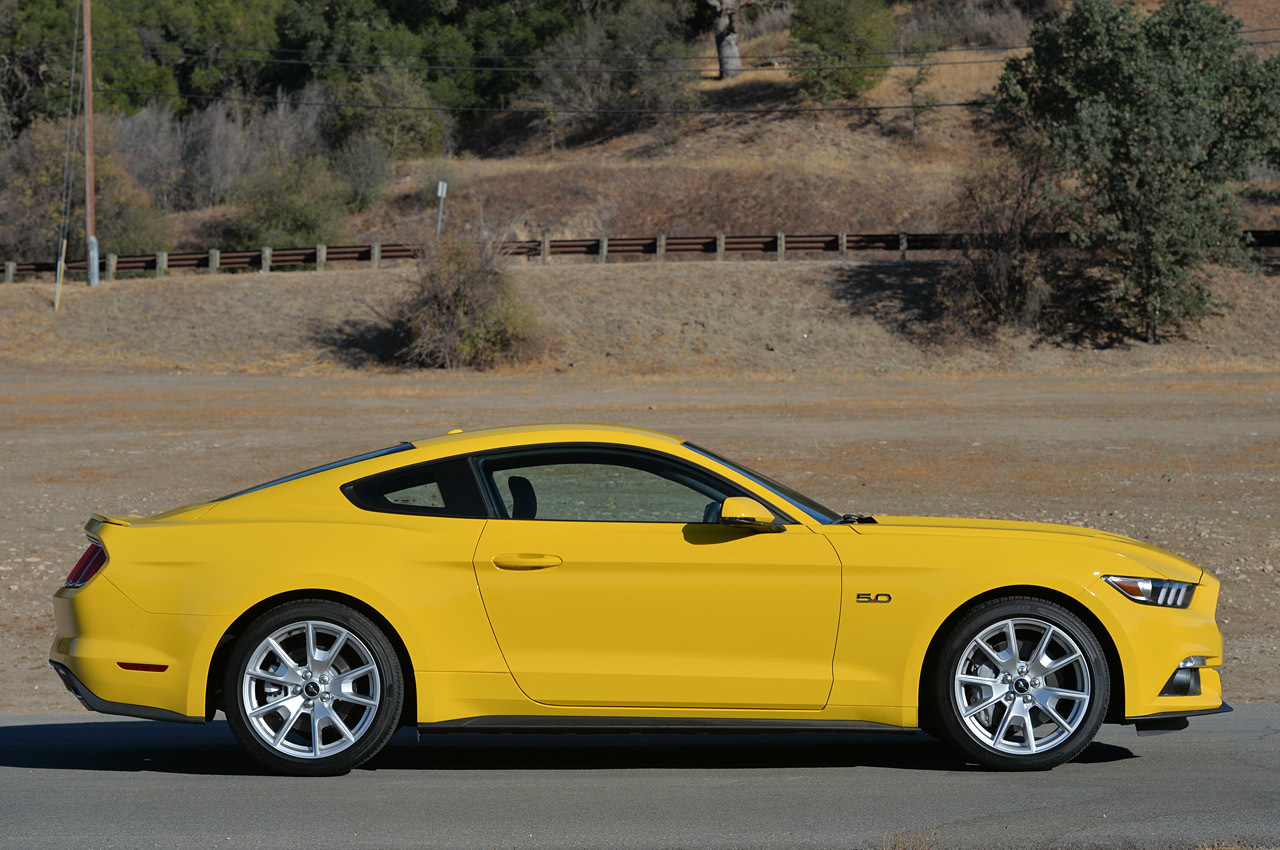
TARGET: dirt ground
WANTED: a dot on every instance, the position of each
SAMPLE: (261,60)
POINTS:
(144,395)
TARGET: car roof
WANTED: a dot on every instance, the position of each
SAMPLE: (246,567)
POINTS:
(562,432)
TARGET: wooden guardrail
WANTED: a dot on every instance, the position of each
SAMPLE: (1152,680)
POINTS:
(601,248)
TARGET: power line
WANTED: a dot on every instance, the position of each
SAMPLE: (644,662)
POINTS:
(784,110)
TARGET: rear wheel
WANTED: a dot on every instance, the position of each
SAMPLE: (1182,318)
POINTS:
(1021,684)
(313,688)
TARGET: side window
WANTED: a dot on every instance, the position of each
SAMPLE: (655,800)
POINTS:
(441,488)
(602,485)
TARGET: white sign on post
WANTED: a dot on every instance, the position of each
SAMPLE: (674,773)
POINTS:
(442,189)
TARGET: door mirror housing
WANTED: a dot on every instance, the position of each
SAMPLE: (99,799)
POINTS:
(746,513)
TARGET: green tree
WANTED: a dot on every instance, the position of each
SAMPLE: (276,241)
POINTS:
(843,44)
(1153,121)
(412,131)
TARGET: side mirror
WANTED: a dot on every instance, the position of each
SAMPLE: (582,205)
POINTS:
(742,512)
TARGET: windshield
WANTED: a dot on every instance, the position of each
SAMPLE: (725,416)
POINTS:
(814,509)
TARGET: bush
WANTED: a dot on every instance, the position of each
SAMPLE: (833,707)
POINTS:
(461,311)
(830,36)
(977,23)
(290,203)
(365,165)
(1005,204)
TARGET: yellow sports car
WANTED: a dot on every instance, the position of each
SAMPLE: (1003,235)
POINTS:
(599,577)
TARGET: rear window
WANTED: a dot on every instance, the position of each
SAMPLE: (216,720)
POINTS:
(328,466)
(440,488)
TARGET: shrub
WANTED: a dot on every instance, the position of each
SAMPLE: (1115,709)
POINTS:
(1005,204)
(365,165)
(290,203)
(461,310)
(844,42)
(978,23)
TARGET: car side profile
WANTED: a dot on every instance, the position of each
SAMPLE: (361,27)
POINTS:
(601,577)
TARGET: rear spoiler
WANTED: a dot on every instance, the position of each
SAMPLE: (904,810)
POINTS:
(103,519)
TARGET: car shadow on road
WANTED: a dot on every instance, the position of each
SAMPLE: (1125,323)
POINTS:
(129,746)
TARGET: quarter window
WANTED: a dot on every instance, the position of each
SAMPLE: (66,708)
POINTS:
(442,488)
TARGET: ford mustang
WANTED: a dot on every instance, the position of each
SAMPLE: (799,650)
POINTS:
(600,577)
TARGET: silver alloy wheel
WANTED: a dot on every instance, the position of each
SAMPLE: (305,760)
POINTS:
(311,689)
(1022,686)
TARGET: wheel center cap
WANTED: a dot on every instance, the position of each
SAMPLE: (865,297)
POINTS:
(1021,685)
(311,689)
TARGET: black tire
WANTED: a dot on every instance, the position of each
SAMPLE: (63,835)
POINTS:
(327,707)
(1018,712)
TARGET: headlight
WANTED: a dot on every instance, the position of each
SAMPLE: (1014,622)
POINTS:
(1153,591)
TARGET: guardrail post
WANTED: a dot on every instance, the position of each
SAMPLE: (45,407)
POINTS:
(215,260)
(902,247)
(842,239)
(10,269)
(112,259)
(322,254)
(266,258)
(375,255)
(660,252)
(604,249)
(544,250)
(719,247)
(782,247)
(162,263)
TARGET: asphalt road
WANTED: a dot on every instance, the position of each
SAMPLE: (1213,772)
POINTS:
(81,780)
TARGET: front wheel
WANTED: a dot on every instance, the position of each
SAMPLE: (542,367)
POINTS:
(313,688)
(1021,684)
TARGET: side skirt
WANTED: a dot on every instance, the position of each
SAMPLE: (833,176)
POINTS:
(598,724)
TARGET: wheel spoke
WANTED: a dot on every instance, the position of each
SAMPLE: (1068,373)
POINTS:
(1053,714)
(292,718)
(1059,663)
(276,706)
(1003,729)
(357,699)
(1012,636)
(332,652)
(1035,661)
(970,679)
(1028,731)
(1001,663)
(284,657)
(345,679)
(979,706)
(311,644)
(1061,693)
(340,726)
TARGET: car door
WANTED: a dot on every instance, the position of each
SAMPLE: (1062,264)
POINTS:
(609,582)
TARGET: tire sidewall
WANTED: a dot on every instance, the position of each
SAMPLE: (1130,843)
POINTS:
(390,700)
(944,714)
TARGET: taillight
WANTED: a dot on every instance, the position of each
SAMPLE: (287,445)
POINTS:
(88,565)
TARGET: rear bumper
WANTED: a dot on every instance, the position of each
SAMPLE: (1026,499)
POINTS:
(95,703)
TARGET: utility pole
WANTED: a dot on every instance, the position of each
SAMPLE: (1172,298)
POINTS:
(90,213)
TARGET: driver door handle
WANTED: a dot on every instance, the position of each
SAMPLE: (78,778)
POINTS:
(526,561)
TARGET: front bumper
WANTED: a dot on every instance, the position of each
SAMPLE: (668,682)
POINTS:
(95,703)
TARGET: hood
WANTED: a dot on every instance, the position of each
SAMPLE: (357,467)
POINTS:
(1165,564)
